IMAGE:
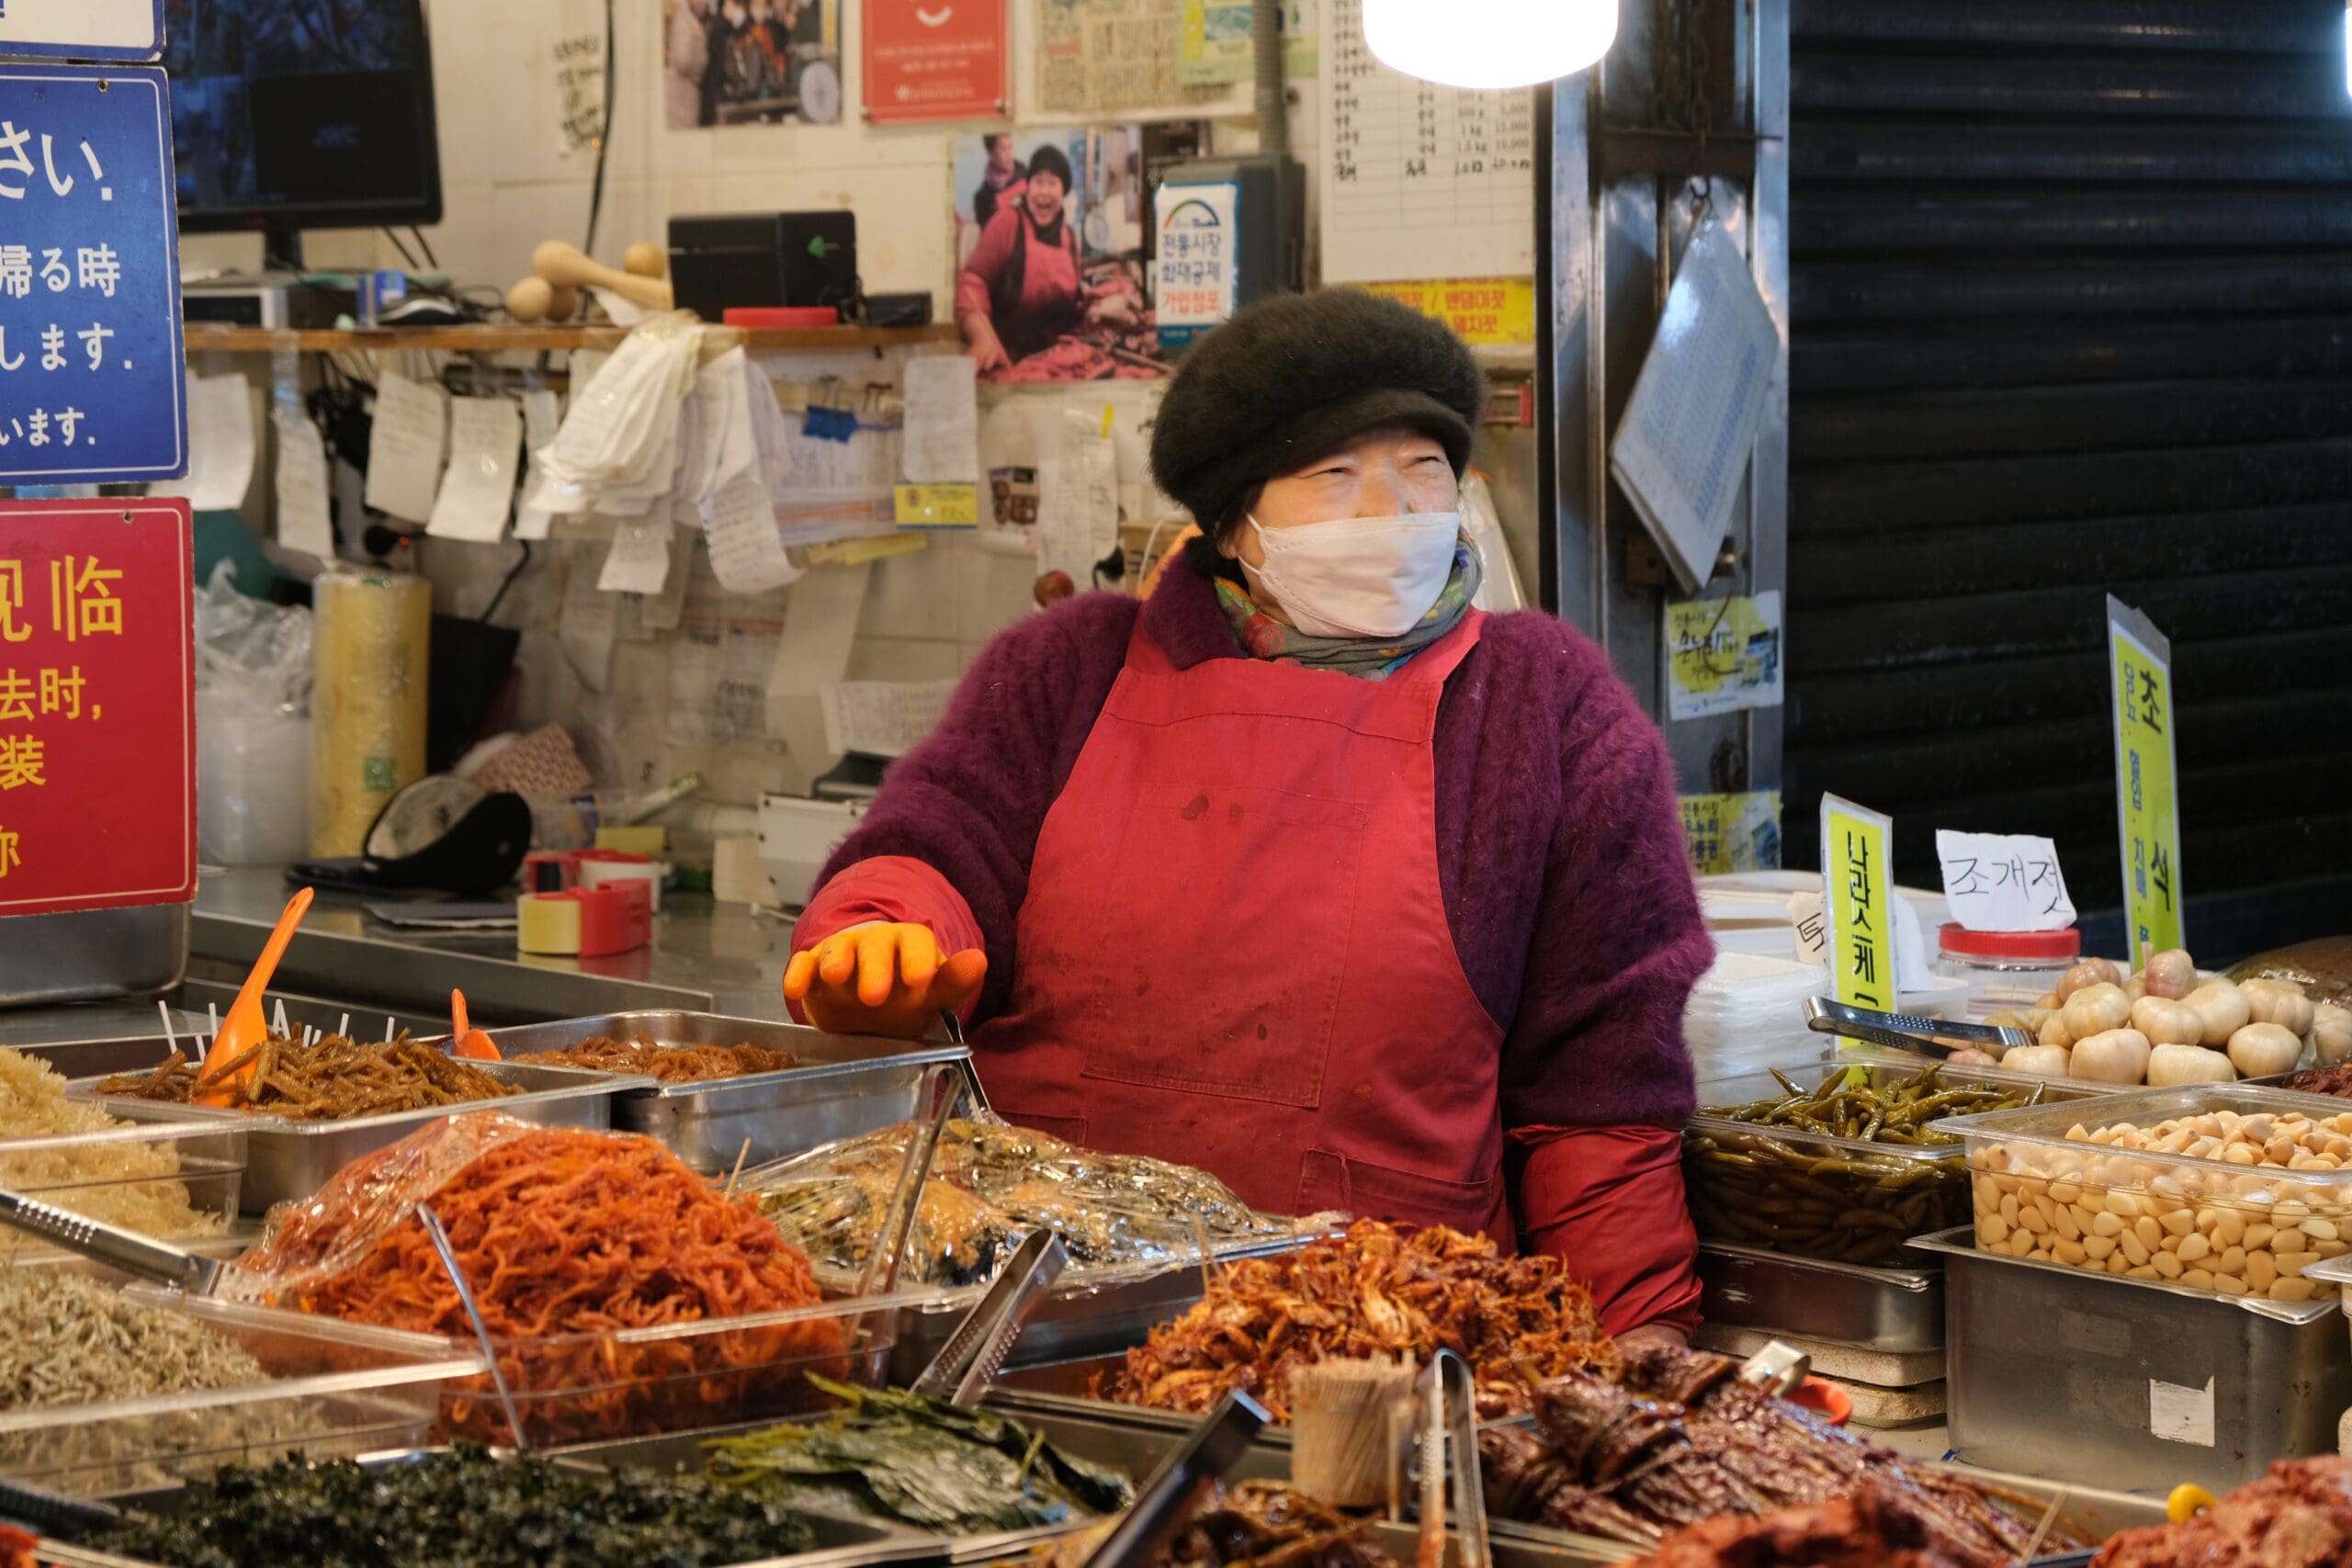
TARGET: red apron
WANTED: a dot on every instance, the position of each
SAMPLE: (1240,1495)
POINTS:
(1234,952)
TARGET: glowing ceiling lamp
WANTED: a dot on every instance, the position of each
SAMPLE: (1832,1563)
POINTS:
(1489,43)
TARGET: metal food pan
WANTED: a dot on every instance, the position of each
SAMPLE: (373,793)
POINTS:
(1136,1449)
(1892,1310)
(2132,1383)
(840,1542)
(289,1160)
(332,1388)
(843,1085)
(1080,1318)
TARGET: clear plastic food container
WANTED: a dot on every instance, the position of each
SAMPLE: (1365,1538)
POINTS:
(177,1181)
(2210,1206)
(1815,1194)
(337,1388)
(1863,1055)
(592,1387)
(2008,970)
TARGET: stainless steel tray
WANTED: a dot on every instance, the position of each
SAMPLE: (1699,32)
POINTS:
(82,1042)
(840,1542)
(843,1085)
(2074,1375)
(1079,1319)
(286,1160)
(1135,1448)
(1897,1310)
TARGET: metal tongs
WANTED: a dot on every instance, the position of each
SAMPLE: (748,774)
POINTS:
(937,1092)
(1778,1369)
(1449,1397)
(1903,1031)
(127,1250)
(973,1355)
(1169,1499)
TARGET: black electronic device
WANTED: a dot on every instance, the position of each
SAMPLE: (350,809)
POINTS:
(895,310)
(294,113)
(763,260)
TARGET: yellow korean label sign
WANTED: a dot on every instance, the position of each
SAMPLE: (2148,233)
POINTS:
(1479,309)
(1731,832)
(937,505)
(1858,903)
(2146,801)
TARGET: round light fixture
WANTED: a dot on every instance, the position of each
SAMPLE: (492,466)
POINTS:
(1489,43)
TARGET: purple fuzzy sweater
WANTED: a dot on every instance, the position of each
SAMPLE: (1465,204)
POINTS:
(1559,847)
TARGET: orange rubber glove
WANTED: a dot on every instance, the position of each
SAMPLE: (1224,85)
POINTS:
(882,977)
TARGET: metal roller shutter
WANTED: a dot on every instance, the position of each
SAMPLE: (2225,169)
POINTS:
(2072,312)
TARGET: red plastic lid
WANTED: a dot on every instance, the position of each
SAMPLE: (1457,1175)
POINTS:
(2051,945)
(613,857)
(782,316)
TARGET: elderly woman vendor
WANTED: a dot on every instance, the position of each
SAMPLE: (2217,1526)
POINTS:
(1304,870)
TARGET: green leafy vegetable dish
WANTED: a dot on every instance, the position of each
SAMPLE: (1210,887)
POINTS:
(924,1464)
(458,1510)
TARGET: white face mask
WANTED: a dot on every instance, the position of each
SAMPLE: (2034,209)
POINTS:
(1358,576)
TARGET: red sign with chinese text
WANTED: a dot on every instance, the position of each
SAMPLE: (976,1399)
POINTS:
(97,706)
(935,60)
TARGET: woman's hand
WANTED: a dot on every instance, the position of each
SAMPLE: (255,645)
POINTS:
(984,347)
(882,977)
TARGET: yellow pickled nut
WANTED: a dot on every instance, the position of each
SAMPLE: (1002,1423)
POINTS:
(2108,1224)
(2193,1247)
(2187,1502)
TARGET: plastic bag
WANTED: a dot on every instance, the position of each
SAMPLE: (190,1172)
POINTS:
(252,727)
(990,1185)
(621,1293)
(249,654)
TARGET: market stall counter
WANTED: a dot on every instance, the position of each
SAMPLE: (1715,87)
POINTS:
(704,957)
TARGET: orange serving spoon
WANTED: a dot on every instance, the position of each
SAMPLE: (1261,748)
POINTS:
(245,1029)
(466,1041)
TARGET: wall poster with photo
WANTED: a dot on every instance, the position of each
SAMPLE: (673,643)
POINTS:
(751,63)
(1053,238)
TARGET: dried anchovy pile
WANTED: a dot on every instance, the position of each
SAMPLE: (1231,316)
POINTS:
(1846,1105)
(1676,1439)
(330,1079)
(72,1341)
(669,1064)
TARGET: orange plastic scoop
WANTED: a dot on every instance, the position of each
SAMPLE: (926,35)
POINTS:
(245,1030)
(466,1041)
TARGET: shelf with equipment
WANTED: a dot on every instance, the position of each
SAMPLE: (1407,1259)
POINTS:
(204,338)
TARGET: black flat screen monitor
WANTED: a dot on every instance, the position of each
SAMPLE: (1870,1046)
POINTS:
(295,113)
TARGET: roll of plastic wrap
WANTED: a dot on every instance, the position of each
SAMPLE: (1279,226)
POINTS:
(367,707)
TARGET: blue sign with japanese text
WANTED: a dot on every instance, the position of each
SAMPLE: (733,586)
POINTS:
(93,368)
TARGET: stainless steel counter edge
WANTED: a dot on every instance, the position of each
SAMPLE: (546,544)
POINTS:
(704,957)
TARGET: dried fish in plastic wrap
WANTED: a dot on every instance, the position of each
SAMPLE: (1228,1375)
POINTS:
(992,1184)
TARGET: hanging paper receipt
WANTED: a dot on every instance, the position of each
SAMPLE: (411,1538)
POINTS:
(2003,882)
(1683,445)
(883,718)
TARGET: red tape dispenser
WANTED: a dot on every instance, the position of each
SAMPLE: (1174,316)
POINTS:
(585,922)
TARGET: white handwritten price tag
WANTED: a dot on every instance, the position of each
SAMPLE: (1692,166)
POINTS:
(1997,882)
